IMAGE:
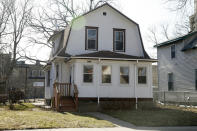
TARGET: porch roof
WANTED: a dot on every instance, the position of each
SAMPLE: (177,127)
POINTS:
(112,55)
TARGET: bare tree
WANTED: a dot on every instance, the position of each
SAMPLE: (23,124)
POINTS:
(58,16)
(179,4)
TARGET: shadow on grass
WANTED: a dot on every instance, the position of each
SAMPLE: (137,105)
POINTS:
(157,117)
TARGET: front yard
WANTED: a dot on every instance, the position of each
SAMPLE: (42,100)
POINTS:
(27,116)
(159,116)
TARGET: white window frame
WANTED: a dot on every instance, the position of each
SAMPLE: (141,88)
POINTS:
(123,50)
(102,75)
(96,40)
(138,75)
(88,73)
(128,75)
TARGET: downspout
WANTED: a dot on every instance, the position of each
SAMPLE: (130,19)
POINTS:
(135,82)
(99,60)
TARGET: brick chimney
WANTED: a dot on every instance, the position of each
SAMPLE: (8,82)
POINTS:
(193,18)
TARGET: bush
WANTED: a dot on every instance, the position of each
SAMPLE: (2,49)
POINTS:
(15,95)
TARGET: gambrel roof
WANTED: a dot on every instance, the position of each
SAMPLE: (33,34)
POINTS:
(146,56)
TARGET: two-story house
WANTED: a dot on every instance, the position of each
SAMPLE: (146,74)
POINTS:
(100,56)
(177,61)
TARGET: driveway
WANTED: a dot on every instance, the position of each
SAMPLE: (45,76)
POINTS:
(120,126)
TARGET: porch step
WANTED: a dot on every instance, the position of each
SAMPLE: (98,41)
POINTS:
(67,104)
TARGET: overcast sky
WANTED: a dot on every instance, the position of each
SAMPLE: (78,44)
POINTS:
(147,13)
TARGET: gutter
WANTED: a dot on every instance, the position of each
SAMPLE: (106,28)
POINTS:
(122,59)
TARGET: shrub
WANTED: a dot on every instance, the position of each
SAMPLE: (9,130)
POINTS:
(15,95)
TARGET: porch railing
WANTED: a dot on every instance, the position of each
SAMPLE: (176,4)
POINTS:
(64,89)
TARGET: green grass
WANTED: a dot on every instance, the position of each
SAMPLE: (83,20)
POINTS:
(168,116)
(29,117)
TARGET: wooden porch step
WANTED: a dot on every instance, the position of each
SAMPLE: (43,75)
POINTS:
(67,104)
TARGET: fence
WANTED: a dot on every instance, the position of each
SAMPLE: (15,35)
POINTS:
(183,97)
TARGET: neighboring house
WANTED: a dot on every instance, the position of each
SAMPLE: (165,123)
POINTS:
(155,77)
(29,78)
(177,61)
(102,55)
(5,60)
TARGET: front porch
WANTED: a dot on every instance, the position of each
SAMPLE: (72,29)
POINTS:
(65,97)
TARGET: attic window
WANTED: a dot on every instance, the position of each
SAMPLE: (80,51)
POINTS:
(104,13)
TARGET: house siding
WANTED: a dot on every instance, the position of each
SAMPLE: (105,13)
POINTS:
(105,24)
(183,67)
(114,89)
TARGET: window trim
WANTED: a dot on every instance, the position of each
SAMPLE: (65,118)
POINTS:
(120,76)
(146,75)
(88,73)
(86,39)
(102,75)
(174,51)
(124,39)
(171,82)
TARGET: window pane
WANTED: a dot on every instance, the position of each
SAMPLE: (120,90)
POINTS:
(124,70)
(141,71)
(124,79)
(142,79)
(119,39)
(88,69)
(106,78)
(119,45)
(91,38)
(119,35)
(106,70)
(106,74)
(87,78)
(92,34)
(91,44)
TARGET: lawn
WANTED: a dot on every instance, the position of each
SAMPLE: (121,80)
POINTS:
(27,116)
(160,116)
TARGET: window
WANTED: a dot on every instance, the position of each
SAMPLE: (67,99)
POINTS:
(142,75)
(48,78)
(173,51)
(170,82)
(124,75)
(91,38)
(41,73)
(88,74)
(33,73)
(57,71)
(119,40)
(106,74)
(196,78)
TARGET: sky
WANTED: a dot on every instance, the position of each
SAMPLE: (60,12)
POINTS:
(147,13)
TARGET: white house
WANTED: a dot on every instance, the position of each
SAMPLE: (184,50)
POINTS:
(102,54)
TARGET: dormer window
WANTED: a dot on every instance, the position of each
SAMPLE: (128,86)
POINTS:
(91,38)
(119,40)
